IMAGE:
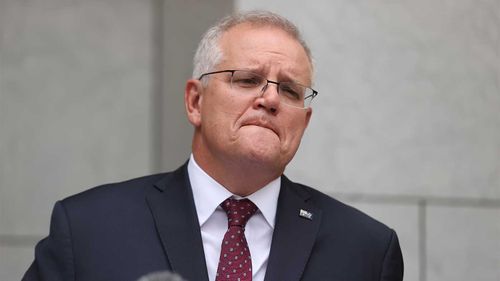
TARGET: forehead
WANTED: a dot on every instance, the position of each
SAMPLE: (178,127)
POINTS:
(268,48)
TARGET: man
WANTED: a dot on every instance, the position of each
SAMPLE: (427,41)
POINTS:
(229,213)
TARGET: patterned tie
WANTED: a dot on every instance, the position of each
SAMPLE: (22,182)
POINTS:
(235,263)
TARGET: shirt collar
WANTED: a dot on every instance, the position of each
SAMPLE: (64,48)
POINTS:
(208,194)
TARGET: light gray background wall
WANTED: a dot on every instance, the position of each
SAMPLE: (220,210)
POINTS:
(90,92)
(407,123)
(406,126)
(75,109)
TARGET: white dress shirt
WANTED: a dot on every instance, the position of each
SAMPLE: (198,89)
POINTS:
(208,195)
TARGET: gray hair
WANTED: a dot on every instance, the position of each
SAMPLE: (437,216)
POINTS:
(209,54)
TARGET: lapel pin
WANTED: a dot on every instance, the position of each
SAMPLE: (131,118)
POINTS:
(305,214)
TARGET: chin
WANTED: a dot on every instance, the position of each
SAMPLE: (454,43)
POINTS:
(267,159)
(262,150)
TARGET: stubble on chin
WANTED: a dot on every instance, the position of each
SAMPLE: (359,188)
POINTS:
(260,150)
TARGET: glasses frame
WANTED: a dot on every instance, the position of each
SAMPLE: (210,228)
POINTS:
(232,71)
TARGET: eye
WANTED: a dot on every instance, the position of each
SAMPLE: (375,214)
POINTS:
(292,91)
(246,80)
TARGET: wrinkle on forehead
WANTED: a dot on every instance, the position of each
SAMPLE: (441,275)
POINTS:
(266,50)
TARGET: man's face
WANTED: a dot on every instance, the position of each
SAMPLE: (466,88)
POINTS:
(236,128)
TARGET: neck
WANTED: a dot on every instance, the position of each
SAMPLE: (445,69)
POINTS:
(239,176)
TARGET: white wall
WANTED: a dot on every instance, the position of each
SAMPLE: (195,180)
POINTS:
(75,109)
(407,126)
(90,92)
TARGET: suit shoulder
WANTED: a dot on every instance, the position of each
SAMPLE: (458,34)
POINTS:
(117,190)
(336,212)
(350,238)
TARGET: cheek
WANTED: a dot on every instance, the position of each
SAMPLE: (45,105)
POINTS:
(220,116)
(292,133)
(223,102)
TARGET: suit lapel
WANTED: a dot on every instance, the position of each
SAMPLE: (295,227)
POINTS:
(172,205)
(294,233)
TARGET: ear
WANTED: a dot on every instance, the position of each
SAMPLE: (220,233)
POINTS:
(308,116)
(192,101)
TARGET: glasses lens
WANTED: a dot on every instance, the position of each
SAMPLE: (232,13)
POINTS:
(310,94)
(290,93)
(246,81)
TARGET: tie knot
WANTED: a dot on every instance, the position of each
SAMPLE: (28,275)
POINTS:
(238,211)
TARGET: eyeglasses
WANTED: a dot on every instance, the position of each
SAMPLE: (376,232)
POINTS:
(250,83)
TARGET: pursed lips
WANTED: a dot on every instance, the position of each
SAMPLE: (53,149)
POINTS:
(263,124)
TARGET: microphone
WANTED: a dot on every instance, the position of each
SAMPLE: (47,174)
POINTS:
(161,276)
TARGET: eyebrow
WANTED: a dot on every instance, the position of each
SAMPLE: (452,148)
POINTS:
(285,76)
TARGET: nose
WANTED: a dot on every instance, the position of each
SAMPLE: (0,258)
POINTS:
(269,98)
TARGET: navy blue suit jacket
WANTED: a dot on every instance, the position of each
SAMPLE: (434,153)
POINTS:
(119,232)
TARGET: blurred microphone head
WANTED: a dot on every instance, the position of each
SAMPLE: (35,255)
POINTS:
(161,276)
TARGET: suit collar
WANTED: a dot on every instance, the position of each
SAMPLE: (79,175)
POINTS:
(171,203)
(297,225)
(208,194)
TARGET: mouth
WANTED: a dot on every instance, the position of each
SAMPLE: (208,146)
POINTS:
(262,124)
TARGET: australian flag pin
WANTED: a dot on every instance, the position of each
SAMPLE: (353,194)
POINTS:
(305,214)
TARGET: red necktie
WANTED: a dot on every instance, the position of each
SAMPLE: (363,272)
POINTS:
(235,263)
